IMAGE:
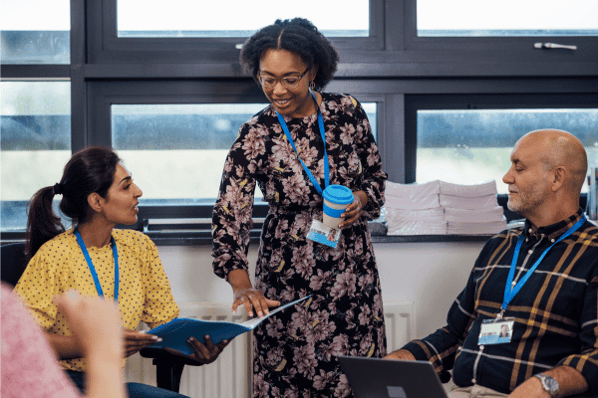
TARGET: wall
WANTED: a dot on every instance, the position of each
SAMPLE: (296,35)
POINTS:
(430,274)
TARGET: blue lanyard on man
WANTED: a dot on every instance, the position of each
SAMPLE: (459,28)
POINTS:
(511,291)
(94,274)
(323,134)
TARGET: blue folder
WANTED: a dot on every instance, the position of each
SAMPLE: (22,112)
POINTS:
(175,333)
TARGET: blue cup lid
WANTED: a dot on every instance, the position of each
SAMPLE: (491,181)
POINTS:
(338,194)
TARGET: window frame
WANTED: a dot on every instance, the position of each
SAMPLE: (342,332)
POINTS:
(528,100)
(513,100)
(391,67)
(473,56)
(106,47)
(416,102)
(104,94)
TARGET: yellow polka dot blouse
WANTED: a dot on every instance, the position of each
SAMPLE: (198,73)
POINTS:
(59,265)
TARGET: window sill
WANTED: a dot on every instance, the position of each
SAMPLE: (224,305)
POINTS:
(201,239)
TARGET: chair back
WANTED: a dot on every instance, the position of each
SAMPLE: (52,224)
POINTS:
(14,262)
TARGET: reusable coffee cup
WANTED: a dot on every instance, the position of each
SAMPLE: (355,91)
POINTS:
(336,200)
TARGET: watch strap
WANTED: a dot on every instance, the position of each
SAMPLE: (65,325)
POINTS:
(549,384)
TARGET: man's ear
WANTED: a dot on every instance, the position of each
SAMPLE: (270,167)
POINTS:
(559,177)
(95,201)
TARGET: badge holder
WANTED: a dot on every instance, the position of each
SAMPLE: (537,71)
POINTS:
(318,232)
(496,331)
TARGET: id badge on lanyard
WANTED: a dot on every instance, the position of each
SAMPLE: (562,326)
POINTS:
(500,330)
(496,331)
(318,232)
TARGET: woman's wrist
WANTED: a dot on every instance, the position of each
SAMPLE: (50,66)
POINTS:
(65,347)
(362,196)
(104,358)
(104,351)
(239,279)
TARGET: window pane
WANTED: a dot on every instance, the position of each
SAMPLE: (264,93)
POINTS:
(237,18)
(176,152)
(35,31)
(467,18)
(371,109)
(36,143)
(472,146)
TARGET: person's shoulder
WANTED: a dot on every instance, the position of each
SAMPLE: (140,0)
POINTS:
(131,238)
(508,233)
(589,231)
(342,100)
(260,116)
(495,241)
(258,123)
(60,242)
(591,228)
(337,97)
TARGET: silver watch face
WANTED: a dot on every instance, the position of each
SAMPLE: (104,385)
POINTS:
(549,384)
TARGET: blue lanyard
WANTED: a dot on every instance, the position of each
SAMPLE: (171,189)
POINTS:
(511,292)
(323,134)
(94,274)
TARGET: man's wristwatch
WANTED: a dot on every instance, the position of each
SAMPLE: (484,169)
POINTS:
(549,384)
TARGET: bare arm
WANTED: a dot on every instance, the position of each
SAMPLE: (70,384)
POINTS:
(64,346)
(246,295)
(402,355)
(571,382)
(104,375)
(97,332)
(67,347)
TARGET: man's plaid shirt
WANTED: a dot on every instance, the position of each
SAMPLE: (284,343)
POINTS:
(556,311)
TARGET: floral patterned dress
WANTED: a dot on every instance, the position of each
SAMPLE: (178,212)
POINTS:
(295,353)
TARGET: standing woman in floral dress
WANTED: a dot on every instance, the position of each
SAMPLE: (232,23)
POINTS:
(295,352)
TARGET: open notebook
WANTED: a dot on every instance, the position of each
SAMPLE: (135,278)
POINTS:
(175,333)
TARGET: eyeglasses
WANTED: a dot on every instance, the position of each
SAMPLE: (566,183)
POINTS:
(291,81)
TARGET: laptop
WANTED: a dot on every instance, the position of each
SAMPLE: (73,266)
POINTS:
(387,378)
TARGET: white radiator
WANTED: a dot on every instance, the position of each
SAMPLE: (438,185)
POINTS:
(230,374)
(399,317)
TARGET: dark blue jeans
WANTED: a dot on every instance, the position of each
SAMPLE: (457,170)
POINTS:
(136,390)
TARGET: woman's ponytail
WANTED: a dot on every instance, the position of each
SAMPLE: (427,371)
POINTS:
(42,223)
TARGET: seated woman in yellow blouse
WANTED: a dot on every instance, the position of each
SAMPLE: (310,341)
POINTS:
(95,259)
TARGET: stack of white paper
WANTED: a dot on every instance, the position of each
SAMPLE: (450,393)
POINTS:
(414,209)
(468,191)
(471,209)
(490,214)
(468,203)
(440,208)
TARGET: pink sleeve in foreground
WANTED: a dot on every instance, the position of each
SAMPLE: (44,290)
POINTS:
(29,367)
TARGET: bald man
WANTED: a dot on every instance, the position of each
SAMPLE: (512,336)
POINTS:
(540,281)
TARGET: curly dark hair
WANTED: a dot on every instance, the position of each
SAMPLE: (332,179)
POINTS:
(297,35)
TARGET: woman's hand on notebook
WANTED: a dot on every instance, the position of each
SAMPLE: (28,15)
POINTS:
(245,295)
(204,353)
(136,341)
